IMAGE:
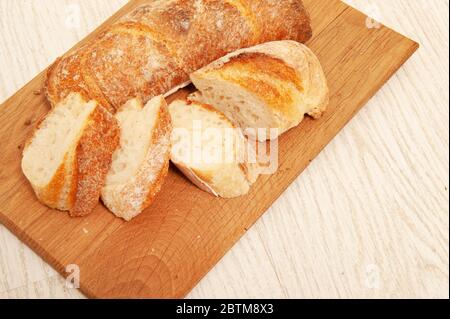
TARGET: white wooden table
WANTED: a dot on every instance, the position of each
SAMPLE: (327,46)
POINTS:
(369,217)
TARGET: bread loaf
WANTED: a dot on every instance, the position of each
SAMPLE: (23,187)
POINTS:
(69,154)
(152,50)
(268,86)
(210,151)
(141,162)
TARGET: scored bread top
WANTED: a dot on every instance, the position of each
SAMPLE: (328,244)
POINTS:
(276,72)
(154,48)
(265,76)
(70,75)
(195,30)
(266,89)
(145,71)
(276,21)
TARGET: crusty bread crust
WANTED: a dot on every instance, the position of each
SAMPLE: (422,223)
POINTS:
(71,75)
(93,160)
(153,49)
(290,18)
(129,200)
(158,158)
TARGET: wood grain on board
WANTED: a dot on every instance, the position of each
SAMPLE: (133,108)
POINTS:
(168,249)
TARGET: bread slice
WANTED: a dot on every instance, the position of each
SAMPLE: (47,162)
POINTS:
(269,86)
(210,150)
(67,158)
(141,163)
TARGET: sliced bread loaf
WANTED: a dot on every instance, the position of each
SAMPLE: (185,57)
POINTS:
(210,150)
(141,162)
(269,86)
(69,154)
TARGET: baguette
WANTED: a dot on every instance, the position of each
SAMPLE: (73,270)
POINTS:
(141,163)
(269,86)
(152,50)
(69,154)
(210,151)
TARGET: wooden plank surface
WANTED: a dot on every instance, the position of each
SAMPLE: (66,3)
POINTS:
(343,53)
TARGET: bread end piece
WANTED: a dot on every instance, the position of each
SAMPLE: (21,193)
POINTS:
(268,87)
(141,163)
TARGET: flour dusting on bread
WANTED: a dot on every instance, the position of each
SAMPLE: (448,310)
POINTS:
(141,162)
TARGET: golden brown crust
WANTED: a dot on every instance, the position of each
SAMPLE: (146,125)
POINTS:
(170,19)
(216,29)
(259,63)
(67,201)
(252,20)
(123,74)
(95,92)
(64,77)
(162,133)
(154,48)
(93,160)
(71,75)
(291,21)
(265,76)
(197,32)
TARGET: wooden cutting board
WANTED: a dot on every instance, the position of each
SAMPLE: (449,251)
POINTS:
(164,252)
